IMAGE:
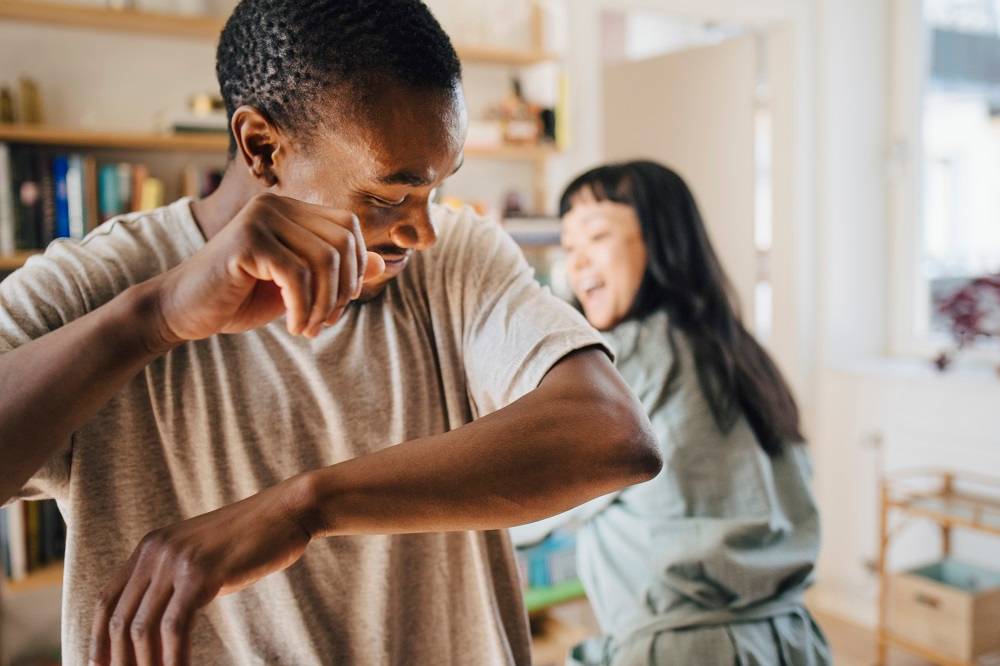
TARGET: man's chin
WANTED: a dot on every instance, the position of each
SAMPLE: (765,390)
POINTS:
(373,290)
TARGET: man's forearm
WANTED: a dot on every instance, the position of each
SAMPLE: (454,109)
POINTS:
(53,385)
(552,450)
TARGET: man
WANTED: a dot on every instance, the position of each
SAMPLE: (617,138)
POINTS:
(329,487)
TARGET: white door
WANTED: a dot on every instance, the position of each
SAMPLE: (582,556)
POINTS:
(693,111)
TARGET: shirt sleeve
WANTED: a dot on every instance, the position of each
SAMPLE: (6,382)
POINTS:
(513,329)
(50,291)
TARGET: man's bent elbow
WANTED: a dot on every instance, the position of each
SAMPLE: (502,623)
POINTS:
(630,447)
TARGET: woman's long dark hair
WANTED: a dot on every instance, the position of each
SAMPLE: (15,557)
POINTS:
(685,279)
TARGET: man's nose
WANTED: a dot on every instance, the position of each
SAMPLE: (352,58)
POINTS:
(415,232)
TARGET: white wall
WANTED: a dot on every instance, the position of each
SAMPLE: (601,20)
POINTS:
(871,410)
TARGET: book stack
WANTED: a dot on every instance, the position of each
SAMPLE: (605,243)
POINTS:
(32,536)
(549,563)
(46,195)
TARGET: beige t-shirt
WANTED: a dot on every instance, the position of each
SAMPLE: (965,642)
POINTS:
(462,332)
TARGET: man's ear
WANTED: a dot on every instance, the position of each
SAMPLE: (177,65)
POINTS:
(258,143)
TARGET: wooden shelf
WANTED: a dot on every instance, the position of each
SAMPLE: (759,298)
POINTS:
(14,261)
(121,20)
(539,599)
(202,27)
(47,577)
(82,138)
(512,152)
(949,507)
(499,56)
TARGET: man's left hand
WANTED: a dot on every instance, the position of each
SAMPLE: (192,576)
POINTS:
(144,616)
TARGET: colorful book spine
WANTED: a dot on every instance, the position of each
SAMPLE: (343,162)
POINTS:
(74,196)
(27,199)
(60,171)
(4,544)
(33,527)
(48,230)
(109,198)
(125,179)
(152,194)
(8,232)
(90,215)
(17,542)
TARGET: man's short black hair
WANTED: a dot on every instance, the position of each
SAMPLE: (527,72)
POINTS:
(280,56)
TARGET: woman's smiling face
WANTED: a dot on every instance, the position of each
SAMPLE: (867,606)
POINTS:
(606,257)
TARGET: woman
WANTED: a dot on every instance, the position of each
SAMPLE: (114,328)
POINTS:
(706,563)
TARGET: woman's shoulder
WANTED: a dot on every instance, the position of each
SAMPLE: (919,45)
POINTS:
(639,337)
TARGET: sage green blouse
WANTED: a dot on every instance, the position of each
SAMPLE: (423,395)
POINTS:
(706,563)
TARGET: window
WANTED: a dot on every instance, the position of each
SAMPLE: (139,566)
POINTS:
(947,203)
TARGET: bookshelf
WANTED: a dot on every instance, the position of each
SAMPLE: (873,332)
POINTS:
(50,576)
(67,137)
(211,143)
(14,261)
(84,138)
(205,27)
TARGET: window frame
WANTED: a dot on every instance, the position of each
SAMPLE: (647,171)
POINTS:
(909,289)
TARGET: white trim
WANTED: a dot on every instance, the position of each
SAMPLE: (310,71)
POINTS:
(908,304)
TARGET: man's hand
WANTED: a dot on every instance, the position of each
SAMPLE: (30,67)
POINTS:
(278,255)
(144,616)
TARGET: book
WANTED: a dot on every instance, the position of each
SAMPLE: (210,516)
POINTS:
(151,195)
(74,195)
(7,223)
(139,175)
(53,532)
(27,199)
(4,545)
(109,198)
(60,171)
(33,530)
(16,541)
(48,230)
(125,181)
(91,218)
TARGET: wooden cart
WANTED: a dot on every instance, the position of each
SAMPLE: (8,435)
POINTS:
(948,499)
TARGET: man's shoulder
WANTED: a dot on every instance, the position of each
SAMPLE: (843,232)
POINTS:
(125,250)
(168,230)
(455,224)
(463,234)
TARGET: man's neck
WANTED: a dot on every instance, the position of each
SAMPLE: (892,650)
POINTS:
(216,210)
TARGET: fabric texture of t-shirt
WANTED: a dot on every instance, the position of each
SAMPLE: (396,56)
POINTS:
(463,331)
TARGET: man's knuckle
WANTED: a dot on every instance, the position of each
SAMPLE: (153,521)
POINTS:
(117,623)
(172,624)
(139,629)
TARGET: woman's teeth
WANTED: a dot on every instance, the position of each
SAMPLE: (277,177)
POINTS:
(591,285)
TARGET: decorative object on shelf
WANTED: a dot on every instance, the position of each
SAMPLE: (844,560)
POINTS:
(513,204)
(973,314)
(6,105)
(31,102)
(191,7)
(205,113)
(484,134)
(521,121)
(156,6)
